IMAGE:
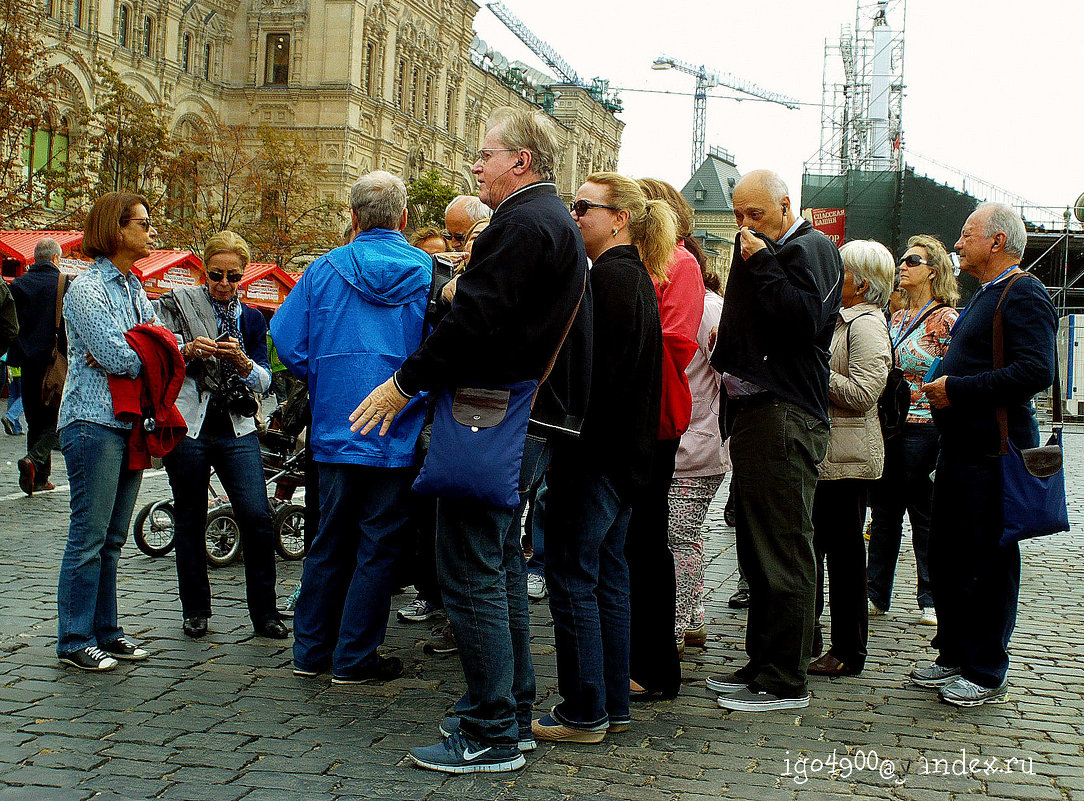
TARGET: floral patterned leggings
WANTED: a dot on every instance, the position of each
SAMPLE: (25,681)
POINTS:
(689,502)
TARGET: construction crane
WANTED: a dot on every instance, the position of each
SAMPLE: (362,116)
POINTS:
(538,47)
(706,80)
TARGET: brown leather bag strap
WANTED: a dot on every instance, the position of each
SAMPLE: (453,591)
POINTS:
(61,283)
(564,334)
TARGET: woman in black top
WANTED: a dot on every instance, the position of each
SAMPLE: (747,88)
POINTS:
(592,481)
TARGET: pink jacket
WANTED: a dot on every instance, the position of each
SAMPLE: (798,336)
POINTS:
(702,451)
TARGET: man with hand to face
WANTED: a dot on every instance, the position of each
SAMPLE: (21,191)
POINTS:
(975,580)
(782,298)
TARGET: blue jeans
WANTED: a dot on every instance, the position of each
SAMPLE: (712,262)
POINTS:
(237,464)
(588,581)
(102,498)
(15,405)
(342,612)
(904,486)
(536,529)
(483,579)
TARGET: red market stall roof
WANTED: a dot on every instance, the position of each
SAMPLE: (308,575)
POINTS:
(265,285)
(17,247)
(165,269)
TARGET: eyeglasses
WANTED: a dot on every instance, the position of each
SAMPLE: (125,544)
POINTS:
(214,276)
(454,237)
(145,222)
(581,207)
(912,261)
(486,153)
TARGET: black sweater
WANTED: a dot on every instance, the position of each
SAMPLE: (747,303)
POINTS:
(511,307)
(777,322)
(975,389)
(623,413)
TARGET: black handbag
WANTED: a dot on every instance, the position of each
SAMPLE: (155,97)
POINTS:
(895,401)
(1033,479)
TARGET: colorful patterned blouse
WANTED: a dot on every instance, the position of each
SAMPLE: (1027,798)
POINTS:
(915,354)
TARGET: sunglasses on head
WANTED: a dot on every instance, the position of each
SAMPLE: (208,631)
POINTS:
(581,207)
(913,260)
(214,276)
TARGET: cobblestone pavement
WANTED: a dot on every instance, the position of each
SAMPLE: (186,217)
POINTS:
(223,718)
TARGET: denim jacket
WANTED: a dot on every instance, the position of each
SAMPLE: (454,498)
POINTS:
(101,306)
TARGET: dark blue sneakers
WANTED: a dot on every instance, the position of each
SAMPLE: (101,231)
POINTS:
(459,754)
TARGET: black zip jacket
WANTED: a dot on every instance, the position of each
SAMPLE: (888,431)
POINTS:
(528,271)
(777,321)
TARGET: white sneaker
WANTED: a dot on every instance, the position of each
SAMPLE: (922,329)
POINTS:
(536,587)
(874,610)
(929,616)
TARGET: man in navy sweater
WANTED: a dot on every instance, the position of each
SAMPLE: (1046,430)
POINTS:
(975,580)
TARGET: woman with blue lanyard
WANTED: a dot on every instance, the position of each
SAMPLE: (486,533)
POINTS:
(103,304)
(920,336)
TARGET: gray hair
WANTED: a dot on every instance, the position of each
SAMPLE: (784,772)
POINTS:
(1004,219)
(378,199)
(475,208)
(46,250)
(532,131)
(870,263)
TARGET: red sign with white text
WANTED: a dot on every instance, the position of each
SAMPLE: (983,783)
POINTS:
(831,222)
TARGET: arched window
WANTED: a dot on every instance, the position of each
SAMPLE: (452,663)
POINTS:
(277,66)
(186,51)
(370,69)
(122,27)
(47,7)
(413,93)
(77,13)
(427,99)
(148,35)
(400,92)
(45,157)
(449,110)
(207,62)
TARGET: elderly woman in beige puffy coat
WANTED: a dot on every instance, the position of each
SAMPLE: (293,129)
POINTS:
(861,359)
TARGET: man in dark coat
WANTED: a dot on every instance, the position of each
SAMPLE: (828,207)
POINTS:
(527,275)
(782,298)
(975,580)
(35,303)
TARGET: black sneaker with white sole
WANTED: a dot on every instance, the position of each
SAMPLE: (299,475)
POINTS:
(123,648)
(89,658)
(729,683)
(755,699)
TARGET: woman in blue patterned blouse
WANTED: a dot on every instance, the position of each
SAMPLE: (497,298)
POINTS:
(103,303)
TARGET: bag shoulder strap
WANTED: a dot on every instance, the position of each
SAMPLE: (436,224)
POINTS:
(999,362)
(564,334)
(913,326)
(61,291)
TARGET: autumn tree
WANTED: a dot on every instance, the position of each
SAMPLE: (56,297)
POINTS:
(427,198)
(208,183)
(34,172)
(292,219)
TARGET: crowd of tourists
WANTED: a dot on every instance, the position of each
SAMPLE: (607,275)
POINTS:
(581,361)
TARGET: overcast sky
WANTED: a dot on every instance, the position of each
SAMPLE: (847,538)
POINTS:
(993,88)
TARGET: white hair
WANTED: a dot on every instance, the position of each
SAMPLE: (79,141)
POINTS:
(378,199)
(871,264)
(1004,219)
(475,208)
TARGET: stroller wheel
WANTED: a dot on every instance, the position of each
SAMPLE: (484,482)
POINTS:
(223,537)
(153,528)
(290,531)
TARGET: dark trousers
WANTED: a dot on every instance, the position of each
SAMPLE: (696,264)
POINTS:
(342,612)
(904,486)
(41,434)
(422,570)
(483,578)
(237,464)
(775,447)
(653,657)
(976,581)
(839,512)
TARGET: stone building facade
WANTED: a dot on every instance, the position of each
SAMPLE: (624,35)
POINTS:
(710,192)
(374,84)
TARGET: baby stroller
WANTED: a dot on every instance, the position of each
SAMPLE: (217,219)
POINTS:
(283,466)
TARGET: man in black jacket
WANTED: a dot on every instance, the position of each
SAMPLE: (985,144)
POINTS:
(527,274)
(975,580)
(35,303)
(782,298)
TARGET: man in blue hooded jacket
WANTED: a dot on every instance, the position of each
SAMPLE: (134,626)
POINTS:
(355,316)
